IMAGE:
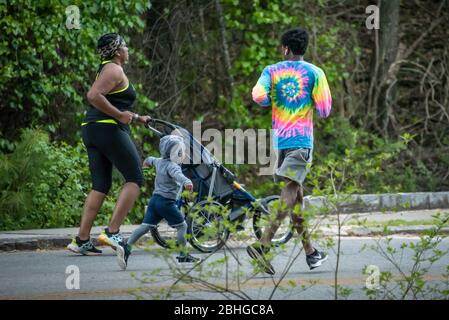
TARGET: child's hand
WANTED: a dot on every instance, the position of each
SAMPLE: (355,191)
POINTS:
(189,187)
(145,164)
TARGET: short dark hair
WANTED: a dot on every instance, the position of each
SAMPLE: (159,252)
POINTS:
(296,40)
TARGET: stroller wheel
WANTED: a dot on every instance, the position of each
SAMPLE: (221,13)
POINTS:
(284,233)
(206,228)
(166,237)
(163,234)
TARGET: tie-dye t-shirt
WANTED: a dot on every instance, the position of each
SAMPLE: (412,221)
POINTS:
(293,89)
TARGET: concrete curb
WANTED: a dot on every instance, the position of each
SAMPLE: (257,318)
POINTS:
(8,245)
(45,242)
(378,231)
(24,240)
(382,202)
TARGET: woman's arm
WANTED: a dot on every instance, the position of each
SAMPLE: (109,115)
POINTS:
(111,76)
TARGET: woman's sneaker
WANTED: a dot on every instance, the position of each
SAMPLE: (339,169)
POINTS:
(316,259)
(110,239)
(123,252)
(187,259)
(86,248)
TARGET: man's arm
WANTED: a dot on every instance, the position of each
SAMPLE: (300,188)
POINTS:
(321,94)
(262,89)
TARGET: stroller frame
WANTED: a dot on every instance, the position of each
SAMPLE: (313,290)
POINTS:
(215,186)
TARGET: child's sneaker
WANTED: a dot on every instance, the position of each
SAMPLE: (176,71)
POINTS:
(188,259)
(110,239)
(123,253)
(86,248)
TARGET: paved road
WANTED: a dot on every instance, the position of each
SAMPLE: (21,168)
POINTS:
(59,238)
(42,274)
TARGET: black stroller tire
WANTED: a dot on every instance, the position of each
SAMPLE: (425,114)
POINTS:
(194,228)
(277,240)
(158,238)
(168,236)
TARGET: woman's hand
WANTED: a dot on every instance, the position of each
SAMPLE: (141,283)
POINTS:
(143,119)
(126,117)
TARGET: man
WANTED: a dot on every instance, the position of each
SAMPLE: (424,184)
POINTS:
(294,89)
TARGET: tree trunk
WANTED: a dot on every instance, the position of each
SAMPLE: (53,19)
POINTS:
(385,69)
(227,59)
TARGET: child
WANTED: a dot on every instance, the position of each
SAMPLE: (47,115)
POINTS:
(168,185)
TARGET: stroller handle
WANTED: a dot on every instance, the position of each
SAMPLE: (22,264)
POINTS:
(150,124)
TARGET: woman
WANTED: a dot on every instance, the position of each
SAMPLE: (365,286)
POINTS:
(107,139)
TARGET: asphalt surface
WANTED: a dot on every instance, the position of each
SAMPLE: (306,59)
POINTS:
(42,274)
(61,237)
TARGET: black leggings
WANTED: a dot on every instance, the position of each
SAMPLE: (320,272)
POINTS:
(107,144)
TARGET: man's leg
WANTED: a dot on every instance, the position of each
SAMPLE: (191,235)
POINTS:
(258,251)
(298,224)
(314,258)
(287,202)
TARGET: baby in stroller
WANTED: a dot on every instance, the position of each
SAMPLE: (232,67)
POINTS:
(168,186)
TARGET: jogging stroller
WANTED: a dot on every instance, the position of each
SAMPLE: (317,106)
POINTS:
(221,204)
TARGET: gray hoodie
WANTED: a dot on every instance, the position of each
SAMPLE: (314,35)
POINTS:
(169,177)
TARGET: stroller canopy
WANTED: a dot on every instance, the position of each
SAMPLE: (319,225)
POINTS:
(196,153)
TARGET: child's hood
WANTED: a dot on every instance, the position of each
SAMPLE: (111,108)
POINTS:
(167,144)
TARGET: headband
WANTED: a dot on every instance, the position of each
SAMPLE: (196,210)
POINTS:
(111,48)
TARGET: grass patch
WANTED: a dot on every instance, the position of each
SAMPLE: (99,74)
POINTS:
(395,223)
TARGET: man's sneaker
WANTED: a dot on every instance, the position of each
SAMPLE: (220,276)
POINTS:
(123,252)
(257,253)
(316,259)
(240,227)
(83,247)
(188,259)
(110,239)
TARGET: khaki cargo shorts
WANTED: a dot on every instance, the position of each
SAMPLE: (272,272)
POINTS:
(293,164)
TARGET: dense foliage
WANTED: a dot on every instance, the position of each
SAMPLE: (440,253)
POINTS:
(198,60)
(46,68)
(44,185)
